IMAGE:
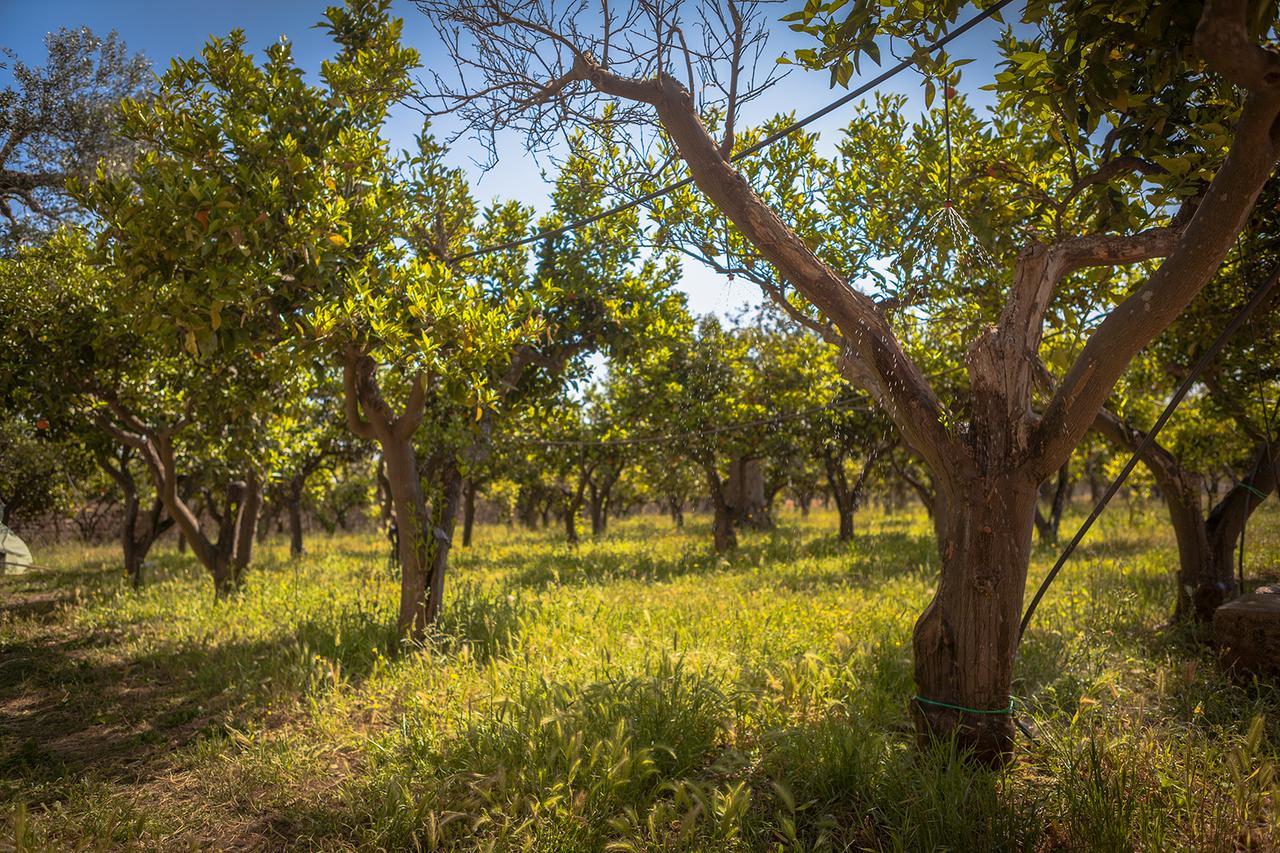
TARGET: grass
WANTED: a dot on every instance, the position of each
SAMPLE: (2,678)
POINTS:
(636,693)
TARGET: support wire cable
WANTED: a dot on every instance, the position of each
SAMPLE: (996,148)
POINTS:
(1200,366)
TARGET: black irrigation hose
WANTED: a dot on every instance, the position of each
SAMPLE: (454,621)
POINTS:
(776,136)
(1200,366)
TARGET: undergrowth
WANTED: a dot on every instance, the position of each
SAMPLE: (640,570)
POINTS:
(635,693)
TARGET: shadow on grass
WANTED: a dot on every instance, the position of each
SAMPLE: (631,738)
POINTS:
(73,706)
(77,703)
(869,556)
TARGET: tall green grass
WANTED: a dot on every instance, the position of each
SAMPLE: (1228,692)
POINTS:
(635,693)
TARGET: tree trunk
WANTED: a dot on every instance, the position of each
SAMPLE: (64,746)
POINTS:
(675,506)
(595,506)
(571,505)
(468,512)
(1047,526)
(410,510)
(722,531)
(246,524)
(1227,520)
(570,522)
(118,470)
(129,542)
(840,493)
(965,640)
(295,519)
(444,520)
(296,546)
(226,565)
(744,495)
(1205,578)
(1204,585)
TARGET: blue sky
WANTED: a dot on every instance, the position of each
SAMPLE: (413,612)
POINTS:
(163,30)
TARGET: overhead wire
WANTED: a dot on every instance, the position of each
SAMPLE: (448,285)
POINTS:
(848,406)
(755,148)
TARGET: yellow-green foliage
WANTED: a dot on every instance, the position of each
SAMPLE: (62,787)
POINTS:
(636,693)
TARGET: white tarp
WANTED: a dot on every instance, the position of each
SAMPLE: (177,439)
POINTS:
(15,556)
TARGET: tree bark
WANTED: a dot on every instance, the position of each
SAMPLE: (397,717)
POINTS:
(296,548)
(571,505)
(468,511)
(1227,520)
(246,524)
(1047,526)
(744,494)
(965,640)
(136,539)
(840,493)
(369,416)
(723,535)
(446,502)
(595,508)
(570,522)
(411,524)
(1205,580)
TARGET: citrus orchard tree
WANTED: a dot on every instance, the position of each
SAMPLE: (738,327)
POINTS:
(59,121)
(81,350)
(268,219)
(1230,422)
(693,386)
(1159,129)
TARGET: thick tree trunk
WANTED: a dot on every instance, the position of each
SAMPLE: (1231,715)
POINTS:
(468,512)
(1203,584)
(965,640)
(410,509)
(723,535)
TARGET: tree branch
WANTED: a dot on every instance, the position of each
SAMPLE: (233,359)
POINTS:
(1222,38)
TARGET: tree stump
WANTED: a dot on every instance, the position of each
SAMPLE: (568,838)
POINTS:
(1247,631)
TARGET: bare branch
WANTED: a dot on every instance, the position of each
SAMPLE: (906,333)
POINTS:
(1097,250)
